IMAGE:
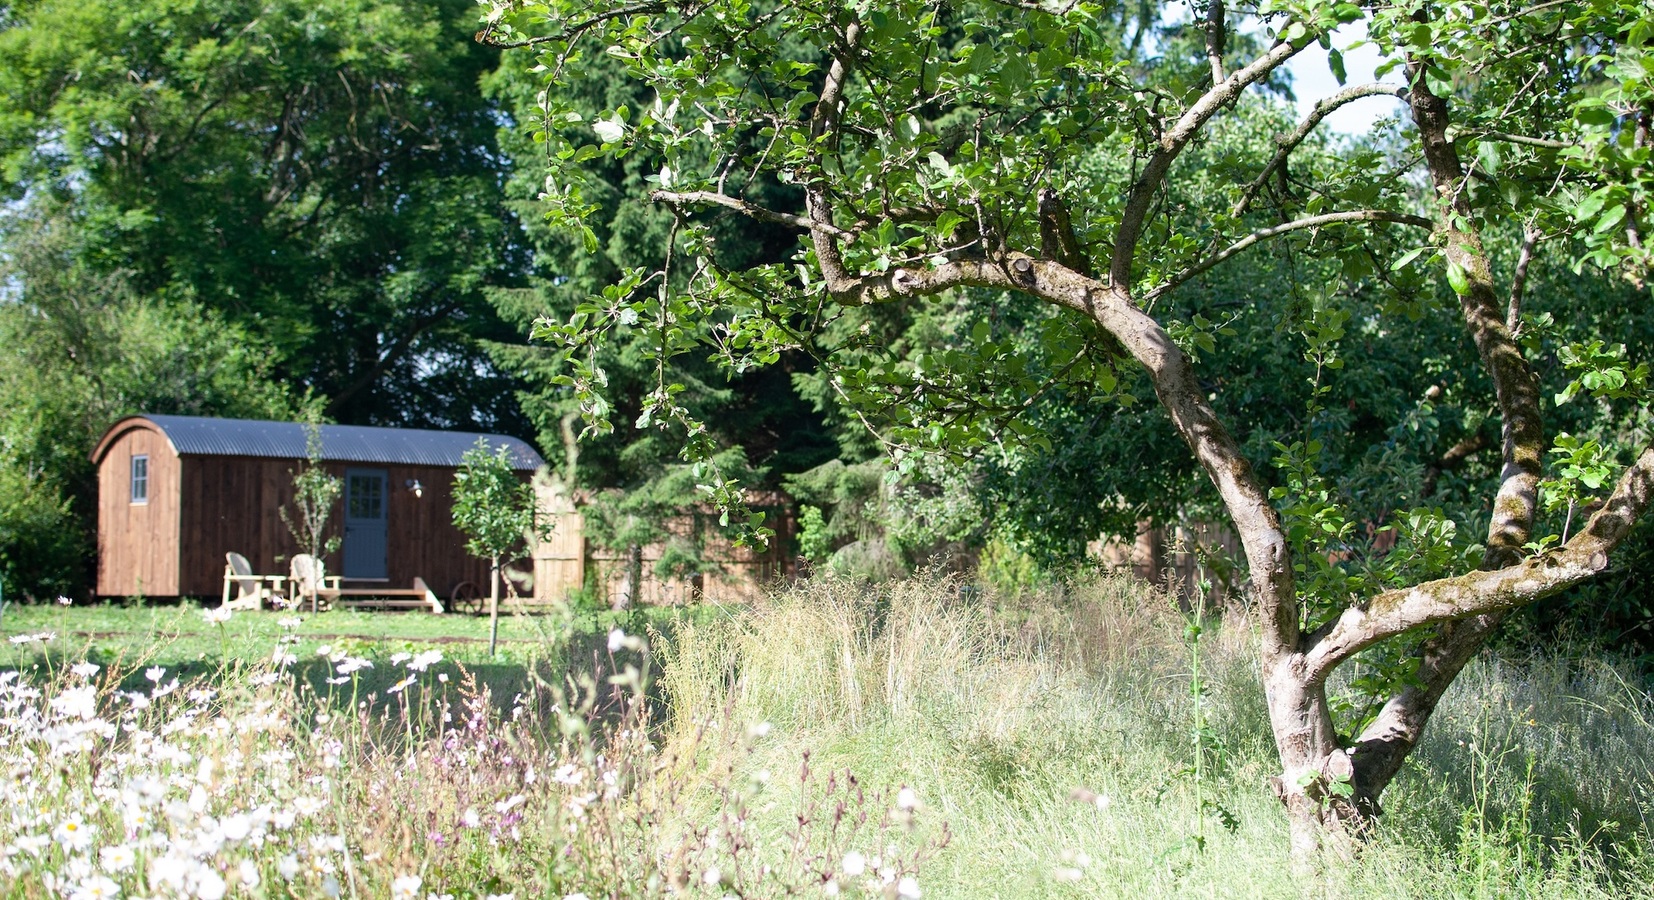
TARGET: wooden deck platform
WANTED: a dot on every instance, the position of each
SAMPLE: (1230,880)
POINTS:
(420,596)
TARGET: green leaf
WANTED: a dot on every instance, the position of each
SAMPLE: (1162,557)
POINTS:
(908,127)
(1611,218)
(1457,278)
(1408,257)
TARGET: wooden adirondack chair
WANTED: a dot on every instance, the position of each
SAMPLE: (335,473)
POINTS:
(251,591)
(307,578)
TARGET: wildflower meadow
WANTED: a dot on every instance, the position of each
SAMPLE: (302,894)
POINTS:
(913,740)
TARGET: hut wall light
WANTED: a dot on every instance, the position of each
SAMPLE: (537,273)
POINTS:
(413,484)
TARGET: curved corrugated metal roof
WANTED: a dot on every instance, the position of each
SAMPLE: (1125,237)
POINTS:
(199,436)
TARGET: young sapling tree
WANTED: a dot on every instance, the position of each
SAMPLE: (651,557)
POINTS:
(314,494)
(499,516)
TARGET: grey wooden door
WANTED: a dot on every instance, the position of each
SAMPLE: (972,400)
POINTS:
(365,524)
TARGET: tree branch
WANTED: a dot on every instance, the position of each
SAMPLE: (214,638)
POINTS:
(1515,386)
(385,358)
(1175,383)
(486,36)
(1386,742)
(1216,39)
(1175,139)
(700,198)
(1289,142)
(824,126)
(1452,459)
(1057,239)
(1359,215)
(1483,591)
(1524,140)
(1519,278)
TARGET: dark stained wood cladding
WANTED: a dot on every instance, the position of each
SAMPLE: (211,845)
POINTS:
(233,503)
(201,507)
(137,542)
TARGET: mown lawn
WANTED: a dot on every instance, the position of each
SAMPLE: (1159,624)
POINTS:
(182,634)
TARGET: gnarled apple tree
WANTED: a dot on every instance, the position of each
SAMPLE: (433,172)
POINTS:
(927,150)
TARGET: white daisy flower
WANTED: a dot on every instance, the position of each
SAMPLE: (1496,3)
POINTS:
(96,887)
(425,660)
(118,858)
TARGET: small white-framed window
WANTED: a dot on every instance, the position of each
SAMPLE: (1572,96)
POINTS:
(140,479)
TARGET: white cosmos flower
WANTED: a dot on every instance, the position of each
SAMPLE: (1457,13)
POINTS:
(288,867)
(218,616)
(248,873)
(289,622)
(398,687)
(906,798)
(854,864)
(400,658)
(353,664)
(330,886)
(406,887)
(155,673)
(907,888)
(506,806)
(84,669)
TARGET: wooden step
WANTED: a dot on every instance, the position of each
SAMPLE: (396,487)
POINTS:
(417,597)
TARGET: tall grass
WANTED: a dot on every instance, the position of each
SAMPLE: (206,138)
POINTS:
(919,738)
(1051,736)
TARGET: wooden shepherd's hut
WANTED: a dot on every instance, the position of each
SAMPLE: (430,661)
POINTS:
(177,493)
